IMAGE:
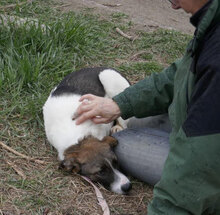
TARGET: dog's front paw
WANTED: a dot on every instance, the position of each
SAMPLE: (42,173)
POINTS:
(116,128)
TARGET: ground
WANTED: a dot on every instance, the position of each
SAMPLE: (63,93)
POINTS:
(145,14)
(32,63)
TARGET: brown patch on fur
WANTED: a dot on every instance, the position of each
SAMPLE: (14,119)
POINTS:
(110,140)
(89,156)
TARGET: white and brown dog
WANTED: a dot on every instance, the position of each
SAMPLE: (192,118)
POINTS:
(87,148)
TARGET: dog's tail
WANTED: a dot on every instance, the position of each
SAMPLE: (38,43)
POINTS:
(113,82)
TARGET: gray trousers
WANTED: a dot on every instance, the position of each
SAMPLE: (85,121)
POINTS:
(143,148)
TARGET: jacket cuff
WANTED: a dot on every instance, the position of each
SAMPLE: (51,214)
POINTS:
(124,106)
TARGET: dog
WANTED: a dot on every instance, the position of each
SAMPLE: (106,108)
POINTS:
(86,149)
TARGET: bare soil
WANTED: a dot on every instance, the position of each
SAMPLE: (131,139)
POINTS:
(145,14)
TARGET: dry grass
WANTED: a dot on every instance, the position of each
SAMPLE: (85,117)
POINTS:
(43,189)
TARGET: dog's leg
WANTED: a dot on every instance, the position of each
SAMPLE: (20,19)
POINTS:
(120,125)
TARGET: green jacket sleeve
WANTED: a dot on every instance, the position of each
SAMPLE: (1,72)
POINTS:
(148,97)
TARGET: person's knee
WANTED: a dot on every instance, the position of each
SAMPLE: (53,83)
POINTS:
(142,153)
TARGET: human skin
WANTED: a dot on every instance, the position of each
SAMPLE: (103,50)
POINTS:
(97,109)
(105,110)
(189,6)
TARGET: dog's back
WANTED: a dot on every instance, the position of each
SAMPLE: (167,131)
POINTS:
(63,101)
(81,82)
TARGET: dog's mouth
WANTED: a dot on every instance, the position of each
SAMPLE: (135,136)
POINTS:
(121,184)
(108,175)
(111,178)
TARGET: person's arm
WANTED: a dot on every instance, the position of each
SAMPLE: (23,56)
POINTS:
(190,182)
(151,96)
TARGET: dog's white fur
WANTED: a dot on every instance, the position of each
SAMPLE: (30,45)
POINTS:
(61,130)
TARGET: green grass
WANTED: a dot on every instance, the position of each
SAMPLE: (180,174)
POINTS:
(33,60)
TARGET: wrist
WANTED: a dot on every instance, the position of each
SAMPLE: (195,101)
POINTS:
(116,108)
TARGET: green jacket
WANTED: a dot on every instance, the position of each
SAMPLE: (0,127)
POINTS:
(190,183)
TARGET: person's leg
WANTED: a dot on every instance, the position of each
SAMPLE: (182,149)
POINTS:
(142,152)
(159,122)
(190,182)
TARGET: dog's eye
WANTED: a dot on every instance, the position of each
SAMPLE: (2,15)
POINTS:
(103,170)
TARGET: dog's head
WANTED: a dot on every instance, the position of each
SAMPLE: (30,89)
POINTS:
(96,160)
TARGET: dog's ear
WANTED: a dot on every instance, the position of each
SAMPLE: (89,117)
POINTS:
(110,140)
(71,165)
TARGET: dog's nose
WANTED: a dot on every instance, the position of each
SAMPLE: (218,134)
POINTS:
(126,187)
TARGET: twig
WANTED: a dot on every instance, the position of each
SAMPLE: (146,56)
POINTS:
(124,35)
(112,5)
(22,155)
(137,55)
(62,5)
(100,198)
(46,211)
(16,169)
(10,6)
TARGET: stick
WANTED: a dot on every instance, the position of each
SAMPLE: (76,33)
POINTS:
(112,5)
(16,169)
(124,35)
(137,55)
(46,211)
(100,198)
(63,5)
(14,5)
(22,155)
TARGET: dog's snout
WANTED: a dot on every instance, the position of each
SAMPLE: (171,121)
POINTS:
(126,187)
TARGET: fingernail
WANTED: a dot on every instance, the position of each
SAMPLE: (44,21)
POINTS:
(75,115)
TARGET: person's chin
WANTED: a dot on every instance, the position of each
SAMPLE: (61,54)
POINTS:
(175,7)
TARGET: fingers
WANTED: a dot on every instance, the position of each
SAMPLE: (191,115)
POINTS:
(99,120)
(86,104)
(84,107)
(83,117)
(85,111)
(87,97)
(92,106)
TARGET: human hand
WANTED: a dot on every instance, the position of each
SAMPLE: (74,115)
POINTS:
(98,109)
